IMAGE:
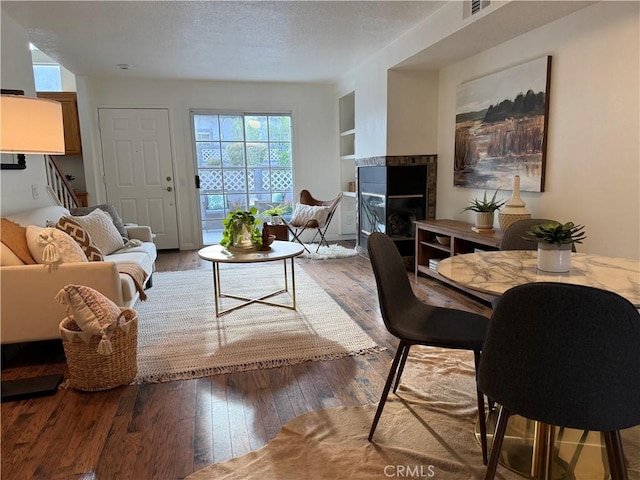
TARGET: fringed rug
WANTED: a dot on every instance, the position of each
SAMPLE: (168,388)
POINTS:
(179,336)
(426,431)
(326,253)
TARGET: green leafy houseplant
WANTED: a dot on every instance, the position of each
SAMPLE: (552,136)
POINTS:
(484,205)
(556,233)
(240,220)
(276,211)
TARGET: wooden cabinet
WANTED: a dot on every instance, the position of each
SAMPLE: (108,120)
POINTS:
(438,239)
(72,141)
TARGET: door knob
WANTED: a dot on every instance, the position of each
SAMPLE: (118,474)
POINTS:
(169,189)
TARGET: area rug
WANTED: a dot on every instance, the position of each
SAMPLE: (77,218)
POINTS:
(179,336)
(426,431)
(326,253)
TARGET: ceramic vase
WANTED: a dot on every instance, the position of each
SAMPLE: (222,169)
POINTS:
(554,258)
(514,209)
(484,220)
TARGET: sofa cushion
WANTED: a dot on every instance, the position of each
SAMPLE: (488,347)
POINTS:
(51,245)
(7,257)
(139,258)
(146,247)
(101,230)
(42,217)
(14,236)
(105,207)
(79,234)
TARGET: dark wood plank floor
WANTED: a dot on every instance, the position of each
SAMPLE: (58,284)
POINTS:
(167,431)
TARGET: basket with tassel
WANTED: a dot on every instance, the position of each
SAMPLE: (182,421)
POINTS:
(100,362)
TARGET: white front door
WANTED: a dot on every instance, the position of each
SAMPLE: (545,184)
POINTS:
(138,169)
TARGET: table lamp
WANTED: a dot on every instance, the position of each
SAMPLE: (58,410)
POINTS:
(30,126)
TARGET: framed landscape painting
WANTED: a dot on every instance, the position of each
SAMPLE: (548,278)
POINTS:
(501,128)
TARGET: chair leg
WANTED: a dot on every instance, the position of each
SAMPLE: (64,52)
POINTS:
(296,237)
(615,455)
(496,446)
(482,418)
(387,386)
(401,368)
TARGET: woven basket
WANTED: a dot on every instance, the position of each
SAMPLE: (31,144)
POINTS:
(91,371)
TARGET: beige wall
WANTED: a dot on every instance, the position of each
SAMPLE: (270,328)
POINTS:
(593,154)
(592,174)
(314,114)
(16,73)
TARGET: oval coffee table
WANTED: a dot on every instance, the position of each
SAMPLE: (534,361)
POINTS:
(217,254)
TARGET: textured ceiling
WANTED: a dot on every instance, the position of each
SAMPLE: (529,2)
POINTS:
(304,41)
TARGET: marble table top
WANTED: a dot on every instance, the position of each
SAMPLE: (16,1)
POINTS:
(496,272)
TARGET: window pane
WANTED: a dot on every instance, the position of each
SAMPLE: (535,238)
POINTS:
(280,154)
(206,127)
(231,128)
(233,154)
(47,78)
(257,154)
(208,154)
(256,128)
(280,129)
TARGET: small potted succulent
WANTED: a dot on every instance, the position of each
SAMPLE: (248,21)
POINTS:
(485,210)
(274,213)
(554,244)
(241,230)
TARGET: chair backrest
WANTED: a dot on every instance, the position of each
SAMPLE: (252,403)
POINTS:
(515,237)
(394,289)
(566,355)
(307,199)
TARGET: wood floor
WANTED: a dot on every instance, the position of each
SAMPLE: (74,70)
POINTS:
(169,430)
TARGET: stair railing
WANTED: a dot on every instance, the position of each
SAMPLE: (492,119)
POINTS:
(62,189)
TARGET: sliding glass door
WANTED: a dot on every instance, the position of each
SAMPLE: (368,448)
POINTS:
(243,160)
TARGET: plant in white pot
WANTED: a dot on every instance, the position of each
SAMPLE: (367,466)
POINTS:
(241,230)
(274,214)
(554,244)
(485,210)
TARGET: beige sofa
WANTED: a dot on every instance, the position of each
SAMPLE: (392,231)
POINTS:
(28,309)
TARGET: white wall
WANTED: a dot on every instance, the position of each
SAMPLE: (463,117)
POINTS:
(592,167)
(16,73)
(315,140)
(592,174)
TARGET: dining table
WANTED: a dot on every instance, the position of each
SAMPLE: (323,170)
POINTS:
(527,448)
(495,272)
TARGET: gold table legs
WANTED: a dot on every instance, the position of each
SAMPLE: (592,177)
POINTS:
(544,452)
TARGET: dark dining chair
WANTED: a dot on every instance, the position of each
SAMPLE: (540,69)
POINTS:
(515,237)
(567,356)
(414,322)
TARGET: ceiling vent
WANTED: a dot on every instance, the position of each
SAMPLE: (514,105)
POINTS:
(472,7)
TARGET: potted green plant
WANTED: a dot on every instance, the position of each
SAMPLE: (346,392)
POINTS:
(241,230)
(275,212)
(485,210)
(554,244)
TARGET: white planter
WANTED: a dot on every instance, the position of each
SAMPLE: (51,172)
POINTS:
(554,258)
(484,220)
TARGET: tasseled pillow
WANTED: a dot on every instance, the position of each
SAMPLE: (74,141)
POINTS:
(92,311)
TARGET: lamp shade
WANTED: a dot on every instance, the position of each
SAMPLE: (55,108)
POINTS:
(31,125)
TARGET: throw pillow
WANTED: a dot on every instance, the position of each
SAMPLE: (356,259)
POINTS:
(304,213)
(92,311)
(53,246)
(101,230)
(82,237)
(14,236)
(7,257)
(105,207)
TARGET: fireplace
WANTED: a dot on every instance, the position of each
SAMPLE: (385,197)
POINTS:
(393,192)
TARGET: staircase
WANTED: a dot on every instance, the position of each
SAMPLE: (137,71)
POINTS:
(60,187)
